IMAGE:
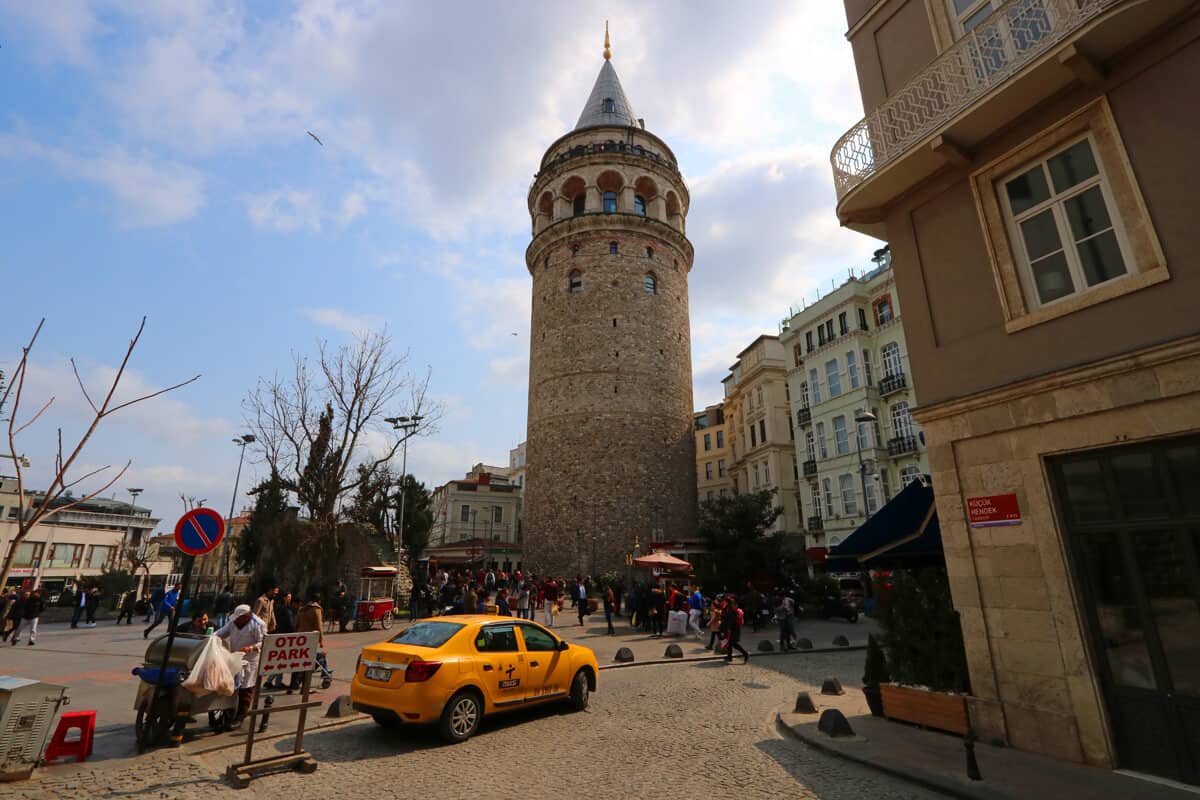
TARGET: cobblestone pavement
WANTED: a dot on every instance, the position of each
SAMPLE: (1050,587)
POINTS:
(690,730)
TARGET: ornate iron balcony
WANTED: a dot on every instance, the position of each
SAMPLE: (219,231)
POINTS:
(1012,37)
(810,469)
(891,383)
(804,416)
(815,524)
(902,445)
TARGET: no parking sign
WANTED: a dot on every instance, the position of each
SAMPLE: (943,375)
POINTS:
(199,531)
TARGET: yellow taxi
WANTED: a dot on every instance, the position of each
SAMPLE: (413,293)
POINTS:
(453,670)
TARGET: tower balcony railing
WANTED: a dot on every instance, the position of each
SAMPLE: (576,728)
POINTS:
(1011,38)
(596,148)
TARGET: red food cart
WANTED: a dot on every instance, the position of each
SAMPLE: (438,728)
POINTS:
(377,598)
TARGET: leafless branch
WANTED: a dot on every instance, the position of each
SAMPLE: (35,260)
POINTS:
(115,409)
(78,481)
(34,418)
(83,388)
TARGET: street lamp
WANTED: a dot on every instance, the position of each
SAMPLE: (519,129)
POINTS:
(241,441)
(863,417)
(408,425)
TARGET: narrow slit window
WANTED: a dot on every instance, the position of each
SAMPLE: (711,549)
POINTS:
(650,283)
(612,248)
(575,282)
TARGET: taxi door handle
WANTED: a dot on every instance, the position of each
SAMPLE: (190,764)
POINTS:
(487,667)
(533,663)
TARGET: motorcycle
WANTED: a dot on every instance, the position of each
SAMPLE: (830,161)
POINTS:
(834,606)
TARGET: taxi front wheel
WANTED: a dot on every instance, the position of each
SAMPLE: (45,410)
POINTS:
(579,691)
(460,717)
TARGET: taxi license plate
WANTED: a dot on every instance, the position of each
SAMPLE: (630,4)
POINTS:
(379,674)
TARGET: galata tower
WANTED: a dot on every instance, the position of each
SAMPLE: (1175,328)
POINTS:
(611,455)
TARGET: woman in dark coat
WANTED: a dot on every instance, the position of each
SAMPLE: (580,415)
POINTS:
(731,628)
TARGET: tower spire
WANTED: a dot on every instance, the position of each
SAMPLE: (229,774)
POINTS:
(607,43)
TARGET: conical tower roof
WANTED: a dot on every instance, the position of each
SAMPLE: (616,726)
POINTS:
(607,94)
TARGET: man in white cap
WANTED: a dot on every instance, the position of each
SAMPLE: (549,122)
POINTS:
(245,633)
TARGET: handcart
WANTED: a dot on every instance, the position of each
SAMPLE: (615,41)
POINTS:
(377,590)
(167,715)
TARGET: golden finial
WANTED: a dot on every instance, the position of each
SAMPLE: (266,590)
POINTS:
(607,43)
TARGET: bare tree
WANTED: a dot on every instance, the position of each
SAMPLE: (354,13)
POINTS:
(64,460)
(312,426)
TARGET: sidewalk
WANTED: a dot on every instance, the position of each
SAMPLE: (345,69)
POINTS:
(938,761)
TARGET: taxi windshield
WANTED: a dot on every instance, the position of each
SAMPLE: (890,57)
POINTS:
(428,634)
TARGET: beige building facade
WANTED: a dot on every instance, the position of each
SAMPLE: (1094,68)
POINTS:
(1030,164)
(610,444)
(848,362)
(476,519)
(761,433)
(714,478)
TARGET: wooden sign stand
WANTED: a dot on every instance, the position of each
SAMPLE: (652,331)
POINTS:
(240,775)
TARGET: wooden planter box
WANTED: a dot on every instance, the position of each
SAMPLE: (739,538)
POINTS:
(943,712)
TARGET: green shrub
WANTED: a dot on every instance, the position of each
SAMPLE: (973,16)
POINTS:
(922,636)
(875,671)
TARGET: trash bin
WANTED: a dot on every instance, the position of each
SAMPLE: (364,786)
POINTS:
(27,711)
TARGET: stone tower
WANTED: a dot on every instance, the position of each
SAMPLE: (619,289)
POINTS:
(611,454)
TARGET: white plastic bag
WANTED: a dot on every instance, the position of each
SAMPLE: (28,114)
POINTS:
(211,673)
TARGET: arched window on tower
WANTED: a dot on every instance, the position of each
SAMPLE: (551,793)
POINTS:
(575,282)
(650,283)
(612,248)
(574,250)
(577,204)
(639,205)
(609,106)
(649,252)
(610,202)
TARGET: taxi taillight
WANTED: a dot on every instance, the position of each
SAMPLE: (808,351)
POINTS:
(418,671)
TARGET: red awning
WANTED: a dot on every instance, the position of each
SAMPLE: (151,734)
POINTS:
(817,555)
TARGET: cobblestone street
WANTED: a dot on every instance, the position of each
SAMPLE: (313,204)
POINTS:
(691,730)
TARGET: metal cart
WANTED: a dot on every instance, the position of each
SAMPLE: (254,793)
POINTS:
(377,588)
(174,708)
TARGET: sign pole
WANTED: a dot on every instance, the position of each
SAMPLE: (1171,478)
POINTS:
(173,625)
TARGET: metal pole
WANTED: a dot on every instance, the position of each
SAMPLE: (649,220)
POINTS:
(403,493)
(225,573)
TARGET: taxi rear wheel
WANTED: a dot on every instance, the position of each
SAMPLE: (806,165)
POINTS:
(460,717)
(580,694)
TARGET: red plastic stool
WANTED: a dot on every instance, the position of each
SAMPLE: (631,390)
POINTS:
(81,748)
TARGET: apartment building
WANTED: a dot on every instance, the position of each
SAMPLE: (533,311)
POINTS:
(852,397)
(759,429)
(713,476)
(73,544)
(1029,162)
(475,519)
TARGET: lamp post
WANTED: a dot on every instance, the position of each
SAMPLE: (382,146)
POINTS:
(241,442)
(863,417)
(128,537)
(408,426)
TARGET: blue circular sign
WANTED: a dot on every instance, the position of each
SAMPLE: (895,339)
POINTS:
(199,531)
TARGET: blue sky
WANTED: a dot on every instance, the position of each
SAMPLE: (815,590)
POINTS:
(153,160)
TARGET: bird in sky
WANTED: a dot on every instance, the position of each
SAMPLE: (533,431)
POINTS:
(315,139)
(514,334)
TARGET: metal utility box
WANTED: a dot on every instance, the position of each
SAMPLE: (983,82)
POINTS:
(27,711)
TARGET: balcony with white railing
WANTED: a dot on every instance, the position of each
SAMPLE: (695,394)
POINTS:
(1024,52)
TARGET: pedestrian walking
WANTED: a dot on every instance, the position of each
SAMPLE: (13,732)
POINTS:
(125,606)
(156,598)
(714,623)
(93,605)
(657,611)
(610,602)
(264,606)
(581,598)
(522,602)
(165,609)
(785,614)
(285,622)
(80,605)
(695,610)
(502,603)
(31,607)
(6,622)
(731,624)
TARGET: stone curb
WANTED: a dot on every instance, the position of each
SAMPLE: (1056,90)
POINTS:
(694,659)
(920,777)
(241,740)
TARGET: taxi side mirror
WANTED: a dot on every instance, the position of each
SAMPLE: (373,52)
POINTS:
(562,645)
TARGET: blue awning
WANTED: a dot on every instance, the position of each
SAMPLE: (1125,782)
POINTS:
(904,532)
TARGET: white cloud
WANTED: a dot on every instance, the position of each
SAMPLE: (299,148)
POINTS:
(344,321)
(284,211)
(151,191)
(512,371)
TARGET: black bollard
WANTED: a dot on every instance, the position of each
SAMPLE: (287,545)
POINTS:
(972,764)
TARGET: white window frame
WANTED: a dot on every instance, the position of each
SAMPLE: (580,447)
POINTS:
(1056,203)
(901,419)
(833,378)
(825,483)
(872,499)
(841,436)
(849,498)
(852,368)
(756,476)
(767,473)
(708,470)
(909,474)
(804,394)
(810,444)
(890,356)
(720,468)
(885,484)
(816,499)
(821,440)
(814,380)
